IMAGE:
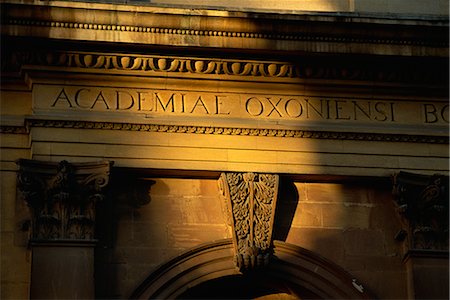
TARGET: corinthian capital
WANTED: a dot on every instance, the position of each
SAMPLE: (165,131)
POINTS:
(251,200)
(423,202)
(62,197)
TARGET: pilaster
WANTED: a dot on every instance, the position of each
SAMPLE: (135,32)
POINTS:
(423,204)
(62,199)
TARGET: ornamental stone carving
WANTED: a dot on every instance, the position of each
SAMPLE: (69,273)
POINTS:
(62,197)
(251,201)
(423,202)
(217,130)
(264,70)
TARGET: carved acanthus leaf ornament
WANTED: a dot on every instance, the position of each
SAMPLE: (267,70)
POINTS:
(251,200)
(423,202)
(62,198)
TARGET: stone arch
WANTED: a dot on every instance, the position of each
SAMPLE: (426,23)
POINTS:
(293,270)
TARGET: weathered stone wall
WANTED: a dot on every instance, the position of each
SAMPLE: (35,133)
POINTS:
(182,213)
(15,255)
(352,225)
(14,144)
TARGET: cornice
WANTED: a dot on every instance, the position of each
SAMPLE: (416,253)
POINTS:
(294,36)
(265,32)
(136,64)
(217,130)
(155,63)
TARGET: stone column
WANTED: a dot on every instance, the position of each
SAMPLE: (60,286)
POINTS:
(62,198)
(423,203)
(251,200)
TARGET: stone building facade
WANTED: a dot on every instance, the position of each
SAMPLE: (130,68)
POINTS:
(224,150)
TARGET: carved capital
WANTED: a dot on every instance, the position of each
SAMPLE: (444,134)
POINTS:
(423,203)
(62,197)
(251,200)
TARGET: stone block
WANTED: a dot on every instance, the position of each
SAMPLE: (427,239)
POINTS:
(139,255)
(15,260)
(161,210)
(428,276)
(301,189)
(15,140)
(135,234)
(364,242)
(15,103)
(187,236)
(13,154)
(51,278)
(175,187)
(391,262)
(180,201)
(8,201)
(113,275)
(308,215)
(304,5)
(327,242)
(14,290)
(384,284)
(384,217)
(346,215)
(204,210)
(333,192)
(151,236)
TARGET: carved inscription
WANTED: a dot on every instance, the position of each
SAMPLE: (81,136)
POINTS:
(141,101)
(325,109)
(435,113)
(250,106)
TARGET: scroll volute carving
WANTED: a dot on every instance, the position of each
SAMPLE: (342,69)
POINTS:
(251,201)
(423,203)
(62,197)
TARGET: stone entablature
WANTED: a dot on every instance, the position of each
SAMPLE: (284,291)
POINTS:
(165,91)
(280,95)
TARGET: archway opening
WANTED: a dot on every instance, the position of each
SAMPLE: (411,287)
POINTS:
(260,286)
(209,272)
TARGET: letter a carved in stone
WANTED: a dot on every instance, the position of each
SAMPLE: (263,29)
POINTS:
(251,199)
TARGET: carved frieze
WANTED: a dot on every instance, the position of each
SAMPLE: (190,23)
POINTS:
(62,197)
(423,202)
(155,64)
(251,200)
(218,130)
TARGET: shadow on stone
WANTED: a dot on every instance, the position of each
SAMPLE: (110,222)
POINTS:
(287,204)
